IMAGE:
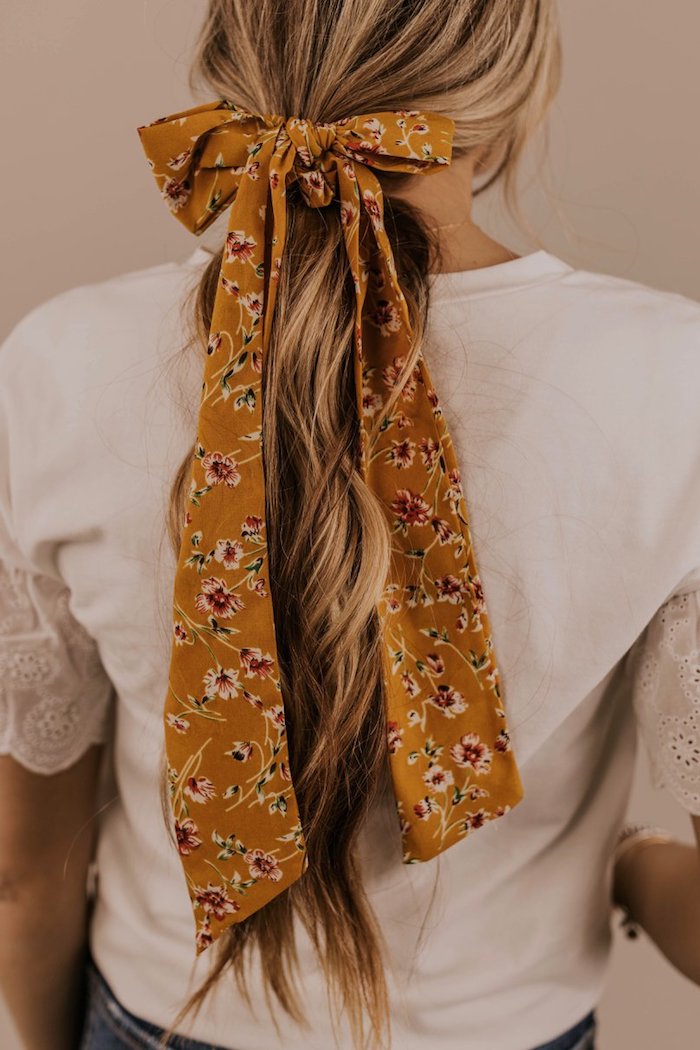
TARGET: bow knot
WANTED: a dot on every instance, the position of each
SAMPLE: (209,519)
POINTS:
(314,162)
(311,141)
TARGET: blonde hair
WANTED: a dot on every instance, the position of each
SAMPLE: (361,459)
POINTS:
(493,67)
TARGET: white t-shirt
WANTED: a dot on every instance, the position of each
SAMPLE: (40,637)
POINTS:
(572,398)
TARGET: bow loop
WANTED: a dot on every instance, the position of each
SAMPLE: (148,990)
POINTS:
(314,162)
(198,157)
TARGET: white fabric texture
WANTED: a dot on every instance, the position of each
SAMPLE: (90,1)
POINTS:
(666,696)
(55,698)
(572,401)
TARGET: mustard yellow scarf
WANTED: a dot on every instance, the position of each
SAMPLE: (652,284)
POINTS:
(231,782)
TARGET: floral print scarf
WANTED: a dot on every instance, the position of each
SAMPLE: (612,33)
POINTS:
(232,795)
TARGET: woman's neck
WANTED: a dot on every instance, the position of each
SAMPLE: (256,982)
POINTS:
(445,198)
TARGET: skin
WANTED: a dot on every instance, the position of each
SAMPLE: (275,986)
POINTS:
(47,834)
(463,247)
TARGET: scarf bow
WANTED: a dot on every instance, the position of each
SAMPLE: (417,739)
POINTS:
(235,813)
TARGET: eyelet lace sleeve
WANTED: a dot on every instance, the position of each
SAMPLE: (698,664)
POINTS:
(55,696)
(666,697)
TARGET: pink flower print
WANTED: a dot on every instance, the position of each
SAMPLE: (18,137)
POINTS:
(394,733)
(502,742)
(475,820)
(371,402)
(254,663)
(438,779)
(259,588)
(262,865)
(215,901)
(219,468)
(419,129)
(181,725)
(391,373)
(276,715)
(229,553)
(186,834)
(180,633)
(274,179)
(435,663)
(359,147)
(253,304)
(285,771)
(179,161)
(241,750)
(314,180)
(442,530)
(449,589)
(253,700)
(349,170)
(203,937)
(250,529)
(410,508)
(410,684)
(455,479)
(448,700)
(214,342)
(229,286)
(239,248)
(373,209)
(200,789)
(374,127)
(253,169)
(220,682)
(425,807)
(428,450)
(386,317)
(347,213)
(176,193)
(401,453)
(477,594)
(472,751)
(216,598)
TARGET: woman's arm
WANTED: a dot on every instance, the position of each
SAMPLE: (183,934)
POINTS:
(47,835)
(659,882)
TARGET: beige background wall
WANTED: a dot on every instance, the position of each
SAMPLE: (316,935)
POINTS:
(78,76)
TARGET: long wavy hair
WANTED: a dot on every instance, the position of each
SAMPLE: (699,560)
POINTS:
(492,66)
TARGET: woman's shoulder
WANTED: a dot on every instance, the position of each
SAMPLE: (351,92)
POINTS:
(100,324)
(603,304)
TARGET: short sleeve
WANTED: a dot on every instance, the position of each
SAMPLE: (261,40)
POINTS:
(665,670)
(56,698)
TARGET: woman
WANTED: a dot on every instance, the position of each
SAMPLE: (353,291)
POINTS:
(568,396)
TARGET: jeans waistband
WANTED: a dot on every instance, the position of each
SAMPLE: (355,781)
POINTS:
(110,1026)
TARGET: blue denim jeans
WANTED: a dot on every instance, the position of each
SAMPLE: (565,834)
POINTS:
(108,1026)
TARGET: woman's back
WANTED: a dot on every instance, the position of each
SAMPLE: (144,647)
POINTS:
(570,397)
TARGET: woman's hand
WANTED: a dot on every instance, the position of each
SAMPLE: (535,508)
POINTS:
(46,845)
(659,882)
